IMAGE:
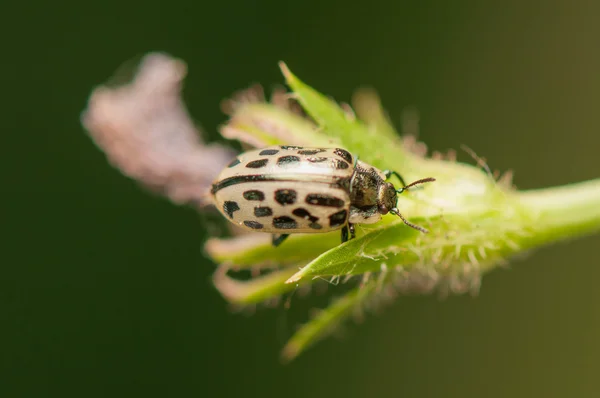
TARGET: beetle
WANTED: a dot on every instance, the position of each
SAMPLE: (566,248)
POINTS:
(291,189)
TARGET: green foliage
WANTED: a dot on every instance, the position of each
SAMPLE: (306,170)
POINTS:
(476,222)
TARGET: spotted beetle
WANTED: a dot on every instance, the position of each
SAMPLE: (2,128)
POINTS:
(291,189)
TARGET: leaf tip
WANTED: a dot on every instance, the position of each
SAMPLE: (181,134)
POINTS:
(295,278)
(290,352)
(289,76)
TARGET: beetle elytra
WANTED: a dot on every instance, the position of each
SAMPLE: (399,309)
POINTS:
(290,189)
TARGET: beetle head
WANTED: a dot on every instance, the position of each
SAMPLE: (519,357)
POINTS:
(386,197)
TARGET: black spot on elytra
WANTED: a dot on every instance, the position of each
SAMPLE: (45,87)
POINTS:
(340,164)
(317,159)
(263,211)
(268,152)
(254,195)
(284,222)
(253,224)
(290,147)
(285,196)
(310,151)
(230,207)
(234,162)
(257,164)
(324,200)
(290,160)
(344,154)
(303,213)
(337,219)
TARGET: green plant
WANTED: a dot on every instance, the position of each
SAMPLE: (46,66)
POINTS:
(477,222)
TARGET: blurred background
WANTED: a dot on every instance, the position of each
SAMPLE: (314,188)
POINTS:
(105,291)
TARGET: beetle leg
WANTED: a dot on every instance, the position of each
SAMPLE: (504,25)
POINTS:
(345,234)
(389,173)
(278,239)
(352,231)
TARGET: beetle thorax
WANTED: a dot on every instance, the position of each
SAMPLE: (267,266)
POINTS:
(365,187)
(369,189)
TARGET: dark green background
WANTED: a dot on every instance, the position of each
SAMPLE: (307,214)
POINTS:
(105,291)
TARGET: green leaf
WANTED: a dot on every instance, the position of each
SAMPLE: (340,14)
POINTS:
(362,254)
(257,251)
(329,116)
(257,290)
(329,319)
(376,149)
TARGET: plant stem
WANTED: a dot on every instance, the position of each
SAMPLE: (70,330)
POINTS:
(564,212)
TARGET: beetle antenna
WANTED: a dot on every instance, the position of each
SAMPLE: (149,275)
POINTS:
(412,184)
(418,228)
